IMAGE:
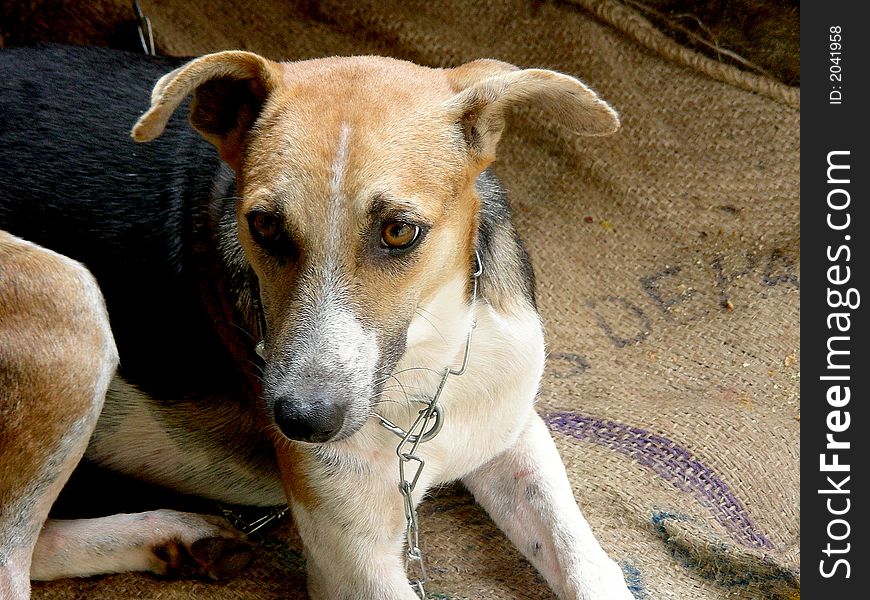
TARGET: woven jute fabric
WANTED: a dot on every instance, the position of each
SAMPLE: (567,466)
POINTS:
(668,264)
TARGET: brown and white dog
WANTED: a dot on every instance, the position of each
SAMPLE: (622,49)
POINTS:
(345,234)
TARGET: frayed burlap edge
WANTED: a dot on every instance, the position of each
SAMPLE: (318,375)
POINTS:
(639,29)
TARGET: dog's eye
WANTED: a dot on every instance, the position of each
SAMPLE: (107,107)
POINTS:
(265,228)
(399,235)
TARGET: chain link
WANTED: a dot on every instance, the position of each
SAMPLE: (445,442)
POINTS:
(419,432)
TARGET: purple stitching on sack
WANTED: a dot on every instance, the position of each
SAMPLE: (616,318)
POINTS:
(672,462)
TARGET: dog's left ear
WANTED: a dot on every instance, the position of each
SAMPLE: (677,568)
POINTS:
(229,89)
(486,88)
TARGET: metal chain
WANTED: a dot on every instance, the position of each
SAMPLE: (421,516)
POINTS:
(418,433)
(254,522)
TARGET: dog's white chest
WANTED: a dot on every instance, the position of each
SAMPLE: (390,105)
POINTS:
(485,408)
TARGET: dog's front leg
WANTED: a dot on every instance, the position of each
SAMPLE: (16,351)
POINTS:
(526,492)
(352,524)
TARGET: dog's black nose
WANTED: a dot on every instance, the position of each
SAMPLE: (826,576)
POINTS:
(312,419)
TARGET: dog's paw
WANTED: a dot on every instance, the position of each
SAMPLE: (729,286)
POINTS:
(216,558)
(201,546)
(602,581)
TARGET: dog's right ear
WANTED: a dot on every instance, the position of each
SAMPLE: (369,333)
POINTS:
(485,89)
(229,89)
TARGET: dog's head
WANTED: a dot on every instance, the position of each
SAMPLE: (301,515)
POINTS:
(357,202)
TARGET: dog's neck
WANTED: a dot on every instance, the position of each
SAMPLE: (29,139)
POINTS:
(228,285)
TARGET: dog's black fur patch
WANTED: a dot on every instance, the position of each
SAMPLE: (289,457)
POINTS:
(507,269)
(72,180)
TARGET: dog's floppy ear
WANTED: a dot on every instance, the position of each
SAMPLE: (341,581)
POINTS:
(487,88)
(229,89)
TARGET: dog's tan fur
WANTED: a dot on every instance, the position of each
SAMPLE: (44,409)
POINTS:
(56,357)
(294,465)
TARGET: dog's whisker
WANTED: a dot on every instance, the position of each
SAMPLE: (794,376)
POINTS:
(396,379)
(428,312)
(404,392)
(417,369)
(385,402)
(419,392)
(416,391)
(420,389)
(258,373)
(425,318)
(242,329)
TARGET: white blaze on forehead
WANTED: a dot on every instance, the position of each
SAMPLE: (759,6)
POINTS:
(340,163)
(330,340)
(336,181)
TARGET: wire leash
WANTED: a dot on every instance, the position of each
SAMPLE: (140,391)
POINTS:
(419,432)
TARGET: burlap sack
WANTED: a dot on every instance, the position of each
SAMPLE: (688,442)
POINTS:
(668,264)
